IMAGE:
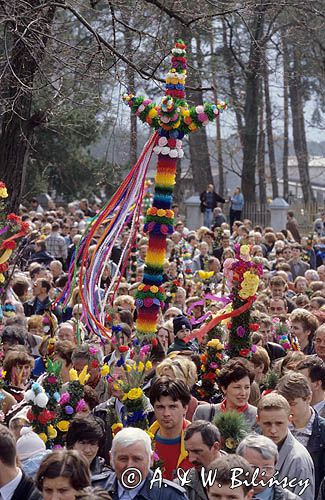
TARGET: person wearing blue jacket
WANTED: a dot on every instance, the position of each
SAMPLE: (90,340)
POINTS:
(236,206)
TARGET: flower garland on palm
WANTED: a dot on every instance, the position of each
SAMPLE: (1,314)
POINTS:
(71,402)
(211,363)
(39,416)
(242,276)
(173,119)
(135,369)
(11,229)
(233,428)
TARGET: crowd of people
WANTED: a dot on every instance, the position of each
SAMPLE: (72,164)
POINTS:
(278,392)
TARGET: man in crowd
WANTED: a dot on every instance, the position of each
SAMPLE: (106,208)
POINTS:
(314,370)
(262,453)
(297,265)
(320,342)
(294,461)
(306,425)
(202,443)
(209,199)
(56,245)
(170,400)
(223,471)
(131,449)
(41,302)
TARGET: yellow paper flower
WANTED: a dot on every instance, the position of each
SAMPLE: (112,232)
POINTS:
(2,278)
(116,427)
(141,287)
(230,443)
(104,370)
(205,275)
(73,375)
(63,425)
(134,393)
(3,192)
(216,344)
(154,289)
(192,126)
(161,212)
(128,368)
(245,249)
(84,376)
(43,437)
(140,366)
(148,365)
(152,113)
(51,432)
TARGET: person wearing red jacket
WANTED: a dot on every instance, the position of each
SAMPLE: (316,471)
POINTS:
(170,400)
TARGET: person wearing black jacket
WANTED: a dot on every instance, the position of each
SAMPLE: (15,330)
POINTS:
(307,426)
(14,484)
(209,200)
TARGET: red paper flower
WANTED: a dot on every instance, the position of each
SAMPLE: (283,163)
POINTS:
(25,227)
(13,218)
(123,348)
(45,416)
(95,363)
(8,245)
(244,353)
(154,342)
(30,415)
(254,327)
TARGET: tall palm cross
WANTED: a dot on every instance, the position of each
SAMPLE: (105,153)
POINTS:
(172,119)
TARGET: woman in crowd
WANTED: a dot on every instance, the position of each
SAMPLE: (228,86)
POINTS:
(235,382)
(62,475)
(18,366)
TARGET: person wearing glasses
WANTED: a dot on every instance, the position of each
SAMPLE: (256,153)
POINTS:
(262,453)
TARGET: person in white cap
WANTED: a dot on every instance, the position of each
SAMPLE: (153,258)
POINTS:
(30,450)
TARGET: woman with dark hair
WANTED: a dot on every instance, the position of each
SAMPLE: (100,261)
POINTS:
(62,474)
(85,435)
(235,381)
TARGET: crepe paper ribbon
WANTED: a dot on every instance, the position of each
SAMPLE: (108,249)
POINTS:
(5,256)
(198,334)
(208,296)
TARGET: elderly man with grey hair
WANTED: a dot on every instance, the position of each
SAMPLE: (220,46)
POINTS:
(261,453)
(131,458)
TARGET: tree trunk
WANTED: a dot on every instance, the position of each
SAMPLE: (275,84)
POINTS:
(285,173)
(198,142)
(251,107)
(17,89)
(269,130)
(261,152)
(232,85)
(298,128)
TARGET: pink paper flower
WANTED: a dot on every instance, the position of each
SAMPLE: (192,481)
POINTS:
(64,399)
(81,406)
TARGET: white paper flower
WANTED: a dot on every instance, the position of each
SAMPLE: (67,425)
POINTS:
(163,141)
(173,153)
(29,395)
(157,150)
(179,143)
(165,151)
(41,400)
(180,153)
(199,109)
